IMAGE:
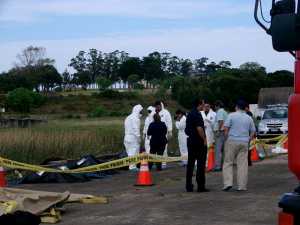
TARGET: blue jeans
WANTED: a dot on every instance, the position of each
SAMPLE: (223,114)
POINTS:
(220,142)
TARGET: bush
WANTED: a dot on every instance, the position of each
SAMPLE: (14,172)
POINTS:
(98,112)
(111,94)
(38,99)
(138,86)
(23,100)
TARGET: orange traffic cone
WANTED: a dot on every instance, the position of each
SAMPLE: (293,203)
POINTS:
(210,159)
(254,154)
(144,177)
(2,178)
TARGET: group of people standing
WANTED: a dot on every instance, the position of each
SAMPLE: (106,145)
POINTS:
(156,133)
(200,129)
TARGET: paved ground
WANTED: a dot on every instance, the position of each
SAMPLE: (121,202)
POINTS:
(167,202)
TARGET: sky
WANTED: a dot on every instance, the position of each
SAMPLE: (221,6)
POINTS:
(217,29)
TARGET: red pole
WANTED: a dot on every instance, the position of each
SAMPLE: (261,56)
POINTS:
(297,73)
(294,122)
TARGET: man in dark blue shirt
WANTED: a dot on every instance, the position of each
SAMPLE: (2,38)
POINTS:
(197,147)
(158,132)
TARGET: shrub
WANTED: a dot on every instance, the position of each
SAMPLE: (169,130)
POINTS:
(138,86)
(38,99)
(98,112)
(23,100)
(110,94)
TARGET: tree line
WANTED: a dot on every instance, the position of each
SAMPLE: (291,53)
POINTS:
(34,71)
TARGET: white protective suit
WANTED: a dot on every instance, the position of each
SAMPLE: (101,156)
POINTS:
(209,120)
(148,120)
(132,137)
(182,137)
(166,117)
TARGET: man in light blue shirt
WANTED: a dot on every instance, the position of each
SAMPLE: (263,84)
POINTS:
(221,116)
(239,130)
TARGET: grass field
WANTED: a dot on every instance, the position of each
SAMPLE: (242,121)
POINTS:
(67,139)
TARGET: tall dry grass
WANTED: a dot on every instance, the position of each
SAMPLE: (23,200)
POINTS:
(63,139)
(67,139)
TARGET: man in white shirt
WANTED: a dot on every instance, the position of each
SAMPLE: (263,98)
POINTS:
(209,117)
(182,137)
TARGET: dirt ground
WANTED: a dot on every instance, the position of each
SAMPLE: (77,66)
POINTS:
(168,203)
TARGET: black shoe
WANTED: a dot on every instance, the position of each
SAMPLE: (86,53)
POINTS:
(189,188)
(203,190)
(227,188)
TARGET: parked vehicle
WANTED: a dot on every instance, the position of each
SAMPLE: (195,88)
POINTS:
(274,122)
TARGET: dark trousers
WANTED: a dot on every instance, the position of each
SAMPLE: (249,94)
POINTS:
(197,152)
(159,150)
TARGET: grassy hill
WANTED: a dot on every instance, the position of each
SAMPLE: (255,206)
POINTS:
(84,103)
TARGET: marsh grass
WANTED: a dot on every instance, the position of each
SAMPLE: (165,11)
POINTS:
(67,139)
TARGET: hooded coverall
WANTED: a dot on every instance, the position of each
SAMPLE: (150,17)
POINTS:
(148,121)
(166,117)
(182,137)
(132,137)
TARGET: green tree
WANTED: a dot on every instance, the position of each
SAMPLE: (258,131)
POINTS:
(133,79)
(186,67)
(82,78)
(225,64)
(49,77)
(23,100)
(131,66)
(281,78)
(152,67)
(253,66)
(66,79)
(103,83)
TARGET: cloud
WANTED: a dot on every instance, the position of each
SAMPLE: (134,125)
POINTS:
(239,45)
(29,10)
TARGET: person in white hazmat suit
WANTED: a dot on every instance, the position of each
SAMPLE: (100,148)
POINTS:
(148,120)
(209,116)
(166,117)
(132,139)
(182,137)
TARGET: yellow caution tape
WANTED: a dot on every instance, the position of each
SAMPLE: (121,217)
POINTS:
(264,142)
(7,163)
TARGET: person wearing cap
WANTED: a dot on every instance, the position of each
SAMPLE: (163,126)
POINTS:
(148,121)
(239,130)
